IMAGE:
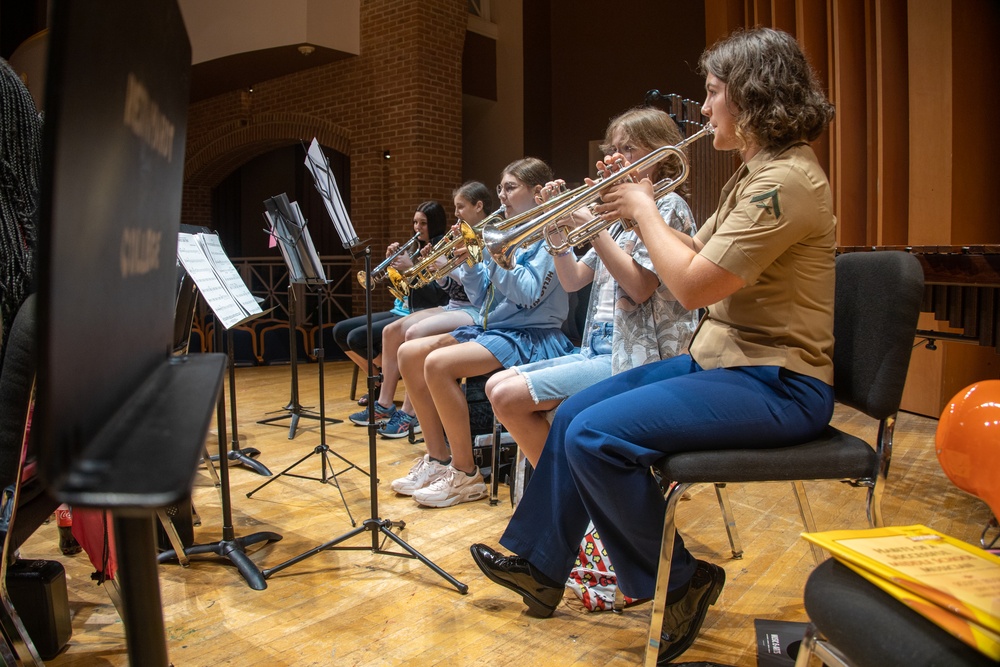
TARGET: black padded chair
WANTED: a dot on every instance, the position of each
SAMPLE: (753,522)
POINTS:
(877,303)
(855,623)
(26,504)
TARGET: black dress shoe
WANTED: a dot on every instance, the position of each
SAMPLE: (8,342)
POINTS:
(682,620)
(514,573)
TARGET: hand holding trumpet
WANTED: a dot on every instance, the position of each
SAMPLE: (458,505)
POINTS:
(400,260)
(626,201)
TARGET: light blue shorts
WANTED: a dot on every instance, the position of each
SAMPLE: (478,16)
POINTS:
(560,378)
(514,347)
(465,308)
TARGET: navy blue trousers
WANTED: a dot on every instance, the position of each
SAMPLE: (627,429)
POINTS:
(595,464)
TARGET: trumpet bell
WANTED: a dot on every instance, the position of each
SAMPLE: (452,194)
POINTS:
(472,243)
(398,286)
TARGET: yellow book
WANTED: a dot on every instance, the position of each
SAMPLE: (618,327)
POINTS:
(946,571)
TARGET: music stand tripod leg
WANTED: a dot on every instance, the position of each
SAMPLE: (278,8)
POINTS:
(323,449)
(230,546)
(374,524)
(245,457)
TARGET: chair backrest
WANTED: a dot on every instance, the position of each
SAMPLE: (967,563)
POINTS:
(34,504)
(576,319)
(878,298)
(16,379)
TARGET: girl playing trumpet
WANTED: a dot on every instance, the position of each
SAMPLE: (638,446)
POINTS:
(521,310)
(472,202)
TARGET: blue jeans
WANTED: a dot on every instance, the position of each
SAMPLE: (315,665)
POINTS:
(558,378)
(595,464)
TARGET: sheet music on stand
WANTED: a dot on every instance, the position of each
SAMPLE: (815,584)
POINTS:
(287,224)
(217,279)
(326,184)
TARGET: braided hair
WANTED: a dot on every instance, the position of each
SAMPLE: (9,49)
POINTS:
(20,171)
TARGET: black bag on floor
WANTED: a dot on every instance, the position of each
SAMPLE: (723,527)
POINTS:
(38,590)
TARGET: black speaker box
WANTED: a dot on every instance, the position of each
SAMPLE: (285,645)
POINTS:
(38,590)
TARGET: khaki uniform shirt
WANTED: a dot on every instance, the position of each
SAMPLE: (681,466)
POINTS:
(775,229)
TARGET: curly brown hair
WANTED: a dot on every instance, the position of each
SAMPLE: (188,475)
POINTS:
(775,95)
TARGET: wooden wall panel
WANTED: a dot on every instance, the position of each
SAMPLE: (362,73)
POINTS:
(759,12)
(930,108)
(849,176)
(892,122)
(783,15)
(722,17)
(812,29)
(975,100)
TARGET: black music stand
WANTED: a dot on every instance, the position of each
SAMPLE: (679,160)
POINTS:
(288,226)
(223,289)
(109,406)
(304,267)
(316,161)
(187,298)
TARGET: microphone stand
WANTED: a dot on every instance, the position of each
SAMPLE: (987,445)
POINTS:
(374,524)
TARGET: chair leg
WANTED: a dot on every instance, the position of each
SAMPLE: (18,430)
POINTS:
(6,654)
(884,451)
(174,537)
(495,463)
(805,511)
(212,470)
(807,647)
(735,544)
(522,473)
(812,645)
(619,604)
(663,575)
(354,383)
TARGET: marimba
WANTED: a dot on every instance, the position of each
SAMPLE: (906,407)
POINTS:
(962,287)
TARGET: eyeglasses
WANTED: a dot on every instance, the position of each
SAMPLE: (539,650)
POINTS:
(624,150)
(507,188)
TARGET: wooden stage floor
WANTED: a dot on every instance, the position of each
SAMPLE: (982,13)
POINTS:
(357,608)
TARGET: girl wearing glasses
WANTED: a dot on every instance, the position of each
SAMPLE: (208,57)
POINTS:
(521,314)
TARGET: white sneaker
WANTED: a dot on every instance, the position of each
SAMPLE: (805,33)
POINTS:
(424,472)
(452,488)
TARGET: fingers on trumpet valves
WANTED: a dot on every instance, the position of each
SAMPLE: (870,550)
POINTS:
(549,189)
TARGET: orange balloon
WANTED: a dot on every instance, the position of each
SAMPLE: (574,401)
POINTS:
(968,441)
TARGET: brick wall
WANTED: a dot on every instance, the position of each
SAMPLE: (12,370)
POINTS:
(403,94)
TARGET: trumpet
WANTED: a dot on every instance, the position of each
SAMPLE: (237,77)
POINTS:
(385,268)
(502,242)
(424,271)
